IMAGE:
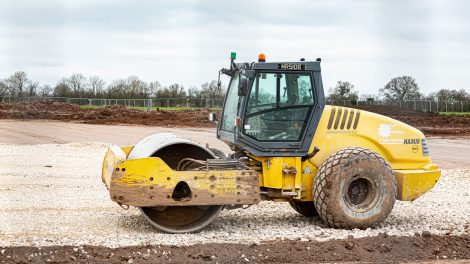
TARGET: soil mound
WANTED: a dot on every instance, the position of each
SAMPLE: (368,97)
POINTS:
(107,115)
(428,122)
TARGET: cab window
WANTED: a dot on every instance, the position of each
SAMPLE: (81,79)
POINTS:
(278,106)
(231,105)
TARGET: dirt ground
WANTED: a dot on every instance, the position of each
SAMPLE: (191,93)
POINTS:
(381,249)
(109,115)
(447,152)
(52,196)
(429,123)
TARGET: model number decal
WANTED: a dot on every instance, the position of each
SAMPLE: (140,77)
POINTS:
(290,66)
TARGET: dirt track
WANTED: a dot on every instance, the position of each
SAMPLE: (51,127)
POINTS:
(382,249)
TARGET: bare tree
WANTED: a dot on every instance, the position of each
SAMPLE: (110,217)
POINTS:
(96,85)
(153,88)
(17,83)
(194,92)
(370,97)
(343,91)
(31,88)
(176,91)
(172,91)
(3,88)
(449,95)
(118,89)
(62,89)
(45,90)
(137,87)
(401,88)
(77,83)
(211,90)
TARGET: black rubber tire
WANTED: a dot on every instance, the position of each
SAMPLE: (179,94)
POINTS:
(305,208)
(354,188)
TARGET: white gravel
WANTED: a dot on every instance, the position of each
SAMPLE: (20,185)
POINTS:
(67,204)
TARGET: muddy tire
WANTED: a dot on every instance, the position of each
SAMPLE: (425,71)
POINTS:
(304,208)
(354,188)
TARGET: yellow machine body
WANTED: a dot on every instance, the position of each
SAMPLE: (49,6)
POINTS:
(150,182)
(147,182)
(401,145)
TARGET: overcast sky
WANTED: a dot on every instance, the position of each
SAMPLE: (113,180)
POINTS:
(187,42)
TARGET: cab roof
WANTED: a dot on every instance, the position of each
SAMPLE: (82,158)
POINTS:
(283,66)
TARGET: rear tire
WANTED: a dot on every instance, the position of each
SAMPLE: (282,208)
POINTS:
(354,188)
(305,208)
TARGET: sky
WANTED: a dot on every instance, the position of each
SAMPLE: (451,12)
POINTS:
(365,42)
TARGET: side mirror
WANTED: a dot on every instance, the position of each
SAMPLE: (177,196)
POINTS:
(242,87)
(212,117)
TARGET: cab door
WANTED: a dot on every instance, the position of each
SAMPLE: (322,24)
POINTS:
(279,112)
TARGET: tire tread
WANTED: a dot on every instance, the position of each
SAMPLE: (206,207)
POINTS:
(331,165)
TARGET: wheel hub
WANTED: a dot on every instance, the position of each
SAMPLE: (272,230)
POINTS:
(358,191)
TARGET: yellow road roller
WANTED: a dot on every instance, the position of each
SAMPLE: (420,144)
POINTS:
(344,165)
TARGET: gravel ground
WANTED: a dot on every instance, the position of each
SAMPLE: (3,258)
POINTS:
(52,195)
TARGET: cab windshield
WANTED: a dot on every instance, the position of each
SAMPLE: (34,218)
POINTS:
(278,106)
(231,105)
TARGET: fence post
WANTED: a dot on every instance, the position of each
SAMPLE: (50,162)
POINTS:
(461,106)
(150,105)
(446,106)
(187,102)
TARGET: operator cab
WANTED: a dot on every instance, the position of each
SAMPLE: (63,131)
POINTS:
(272,108)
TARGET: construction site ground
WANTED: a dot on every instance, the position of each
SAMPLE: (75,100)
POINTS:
(55,209)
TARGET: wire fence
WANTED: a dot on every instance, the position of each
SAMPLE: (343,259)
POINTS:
(213,103)
(216,103)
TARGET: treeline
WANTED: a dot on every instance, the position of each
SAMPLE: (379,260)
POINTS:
(80,86)
(401,88)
